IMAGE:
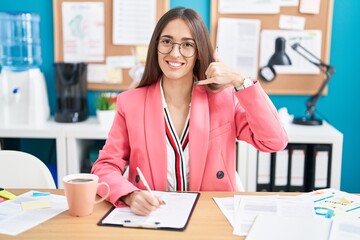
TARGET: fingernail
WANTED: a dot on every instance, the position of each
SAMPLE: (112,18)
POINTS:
(196,82)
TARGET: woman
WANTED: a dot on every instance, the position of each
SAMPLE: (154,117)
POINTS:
(179,126)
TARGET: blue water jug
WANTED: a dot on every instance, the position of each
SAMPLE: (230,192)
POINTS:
(20,47)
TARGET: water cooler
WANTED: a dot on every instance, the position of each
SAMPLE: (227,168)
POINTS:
(23,93)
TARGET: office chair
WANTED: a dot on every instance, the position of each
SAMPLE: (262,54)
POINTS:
(23,170)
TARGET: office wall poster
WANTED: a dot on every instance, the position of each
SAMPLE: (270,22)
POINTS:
(83,31)
(249,6)
(237,43)
(133,21)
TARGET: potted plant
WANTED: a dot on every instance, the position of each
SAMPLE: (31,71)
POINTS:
(106,108)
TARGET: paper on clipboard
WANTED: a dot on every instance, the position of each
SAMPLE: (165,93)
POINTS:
(174,215)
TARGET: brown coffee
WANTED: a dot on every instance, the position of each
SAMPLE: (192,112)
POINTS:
(80,180)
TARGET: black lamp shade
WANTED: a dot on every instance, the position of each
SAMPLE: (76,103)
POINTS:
(279,57)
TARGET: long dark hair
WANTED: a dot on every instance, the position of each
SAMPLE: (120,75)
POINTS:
(152,72)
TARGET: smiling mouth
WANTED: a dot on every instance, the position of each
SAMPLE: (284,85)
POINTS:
(174,64)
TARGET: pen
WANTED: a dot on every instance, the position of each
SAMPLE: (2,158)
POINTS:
(143,180)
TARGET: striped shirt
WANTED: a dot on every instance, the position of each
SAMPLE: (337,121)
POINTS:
(177,153)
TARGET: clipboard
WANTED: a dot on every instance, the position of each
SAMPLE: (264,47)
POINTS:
(174,215)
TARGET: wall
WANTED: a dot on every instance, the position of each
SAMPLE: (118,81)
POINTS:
(339,107)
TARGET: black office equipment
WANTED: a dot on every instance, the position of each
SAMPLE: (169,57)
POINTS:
(318,166)
(300,167)
(71,101)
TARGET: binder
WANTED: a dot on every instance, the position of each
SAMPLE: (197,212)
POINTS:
(281,171)
(297,168)
(263,182)
(174,215)
(321,166)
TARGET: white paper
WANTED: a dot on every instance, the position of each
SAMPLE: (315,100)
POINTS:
(285,228)
(174,214)
(237,42)
(13,220)
(345,228)
(83,31)
(96,73)
(310,6)
(289,3)
(133,21)
(291,22)
(309,39)
(247,208)
(226,206)
(249,6)
(126,61)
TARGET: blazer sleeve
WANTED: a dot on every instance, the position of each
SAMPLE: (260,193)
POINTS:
(257,120)
(113,159)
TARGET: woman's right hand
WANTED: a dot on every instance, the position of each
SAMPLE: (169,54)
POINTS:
(142,202)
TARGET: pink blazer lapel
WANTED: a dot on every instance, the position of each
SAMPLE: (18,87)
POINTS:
(155,137)
(199,135)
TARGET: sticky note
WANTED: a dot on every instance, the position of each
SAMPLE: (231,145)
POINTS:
(114,75)
(39,194)
(37,204)
(7,195)
(310,6)
(141,53)
(1,199)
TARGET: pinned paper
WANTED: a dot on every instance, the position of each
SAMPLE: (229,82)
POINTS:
(310,6)
(141,53)
(291,22)
(114,75)
(37,204)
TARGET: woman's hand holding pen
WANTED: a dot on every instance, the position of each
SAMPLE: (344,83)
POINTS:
(222,75)
(142,202)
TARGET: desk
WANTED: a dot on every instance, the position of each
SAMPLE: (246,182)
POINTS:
(207,222)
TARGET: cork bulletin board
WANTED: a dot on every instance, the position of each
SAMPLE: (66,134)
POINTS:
(288,84)
(110,49)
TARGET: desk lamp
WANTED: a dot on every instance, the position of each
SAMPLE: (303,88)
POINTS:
(268,73)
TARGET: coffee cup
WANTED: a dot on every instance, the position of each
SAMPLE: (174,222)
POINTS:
(80,191)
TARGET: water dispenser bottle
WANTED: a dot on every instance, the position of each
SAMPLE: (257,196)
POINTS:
(23,93)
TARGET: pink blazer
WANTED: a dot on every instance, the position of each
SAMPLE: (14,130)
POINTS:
(137,138)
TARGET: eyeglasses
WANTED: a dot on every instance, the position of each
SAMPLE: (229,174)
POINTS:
(186,49)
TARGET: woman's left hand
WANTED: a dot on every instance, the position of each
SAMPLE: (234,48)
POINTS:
(222,75)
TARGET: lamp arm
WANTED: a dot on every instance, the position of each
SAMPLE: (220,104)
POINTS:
(326,68)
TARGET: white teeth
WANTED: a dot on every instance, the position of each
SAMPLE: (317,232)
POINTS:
(175,64)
